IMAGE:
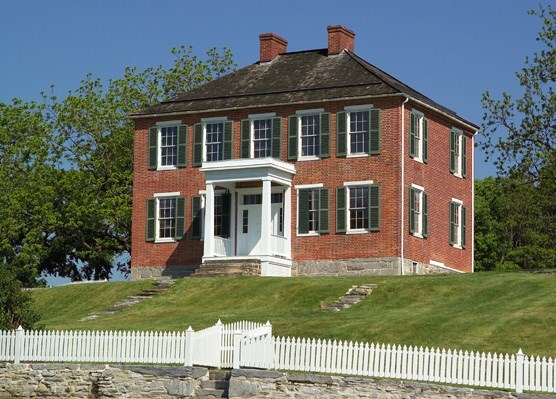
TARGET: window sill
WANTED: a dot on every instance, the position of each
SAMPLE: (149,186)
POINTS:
(310,234)
(312,158)
(457,246)
(163,240)
(418,235)
(458,174)
(357,232)
(357,156)
(420,160)
(167,168)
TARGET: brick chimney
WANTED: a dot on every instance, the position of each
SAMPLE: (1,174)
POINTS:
(271,46)
(339,38)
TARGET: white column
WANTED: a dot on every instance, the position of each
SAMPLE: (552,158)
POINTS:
(266,228)
(288,221)
(209,221)
(233,228)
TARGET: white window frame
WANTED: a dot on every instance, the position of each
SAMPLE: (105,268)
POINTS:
(252,119)
(208,121)
(316,186)
(159,126)
(349,186)
(158,197)
(458,229)
(419,118)
(418,216)
(349,109)
(300,114)
(458,157)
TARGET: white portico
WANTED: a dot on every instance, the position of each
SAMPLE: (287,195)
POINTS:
(259,209)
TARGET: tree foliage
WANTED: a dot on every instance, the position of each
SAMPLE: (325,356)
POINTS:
(521,133)
(66,168)
(16,305)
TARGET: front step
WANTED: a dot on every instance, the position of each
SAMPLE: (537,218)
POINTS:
(216,386)
(226,268)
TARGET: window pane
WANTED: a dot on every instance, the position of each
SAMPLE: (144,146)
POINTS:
(313,210)
(358,132)
(166,217)
(358,208)
(310,135)
(213,141)
(262,138)
(168,146)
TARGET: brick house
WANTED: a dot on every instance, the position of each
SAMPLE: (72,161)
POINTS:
(304,163)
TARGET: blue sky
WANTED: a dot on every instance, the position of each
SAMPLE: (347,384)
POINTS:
(451,51)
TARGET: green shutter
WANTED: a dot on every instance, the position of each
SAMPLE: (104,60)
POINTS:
(198,145)
(374,134)
(325,135)
(228,139)
(341,134)
(151,219)
(425,140)
(293,132)
(196,213)
(463,226)
(324,210)
(226,206)
(153,148)
(180,218)
(303,211)
(452,227)
(464,156)
(245,138)
(412,135)
(425,229)
(182,146)
(276,143)
(412,210)
(340,210)
(452,151)
(374,208)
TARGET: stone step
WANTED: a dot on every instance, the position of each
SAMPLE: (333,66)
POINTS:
(219,374)
(215,384)
(211,393)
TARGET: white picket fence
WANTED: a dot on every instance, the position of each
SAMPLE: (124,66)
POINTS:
(212,346)
(517,372)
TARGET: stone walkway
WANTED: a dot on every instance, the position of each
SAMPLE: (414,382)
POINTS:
(162,284)
(354,295)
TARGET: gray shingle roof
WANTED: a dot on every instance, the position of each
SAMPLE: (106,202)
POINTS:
(297,77)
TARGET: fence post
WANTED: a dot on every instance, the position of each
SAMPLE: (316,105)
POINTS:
(237,349)
(18,344)
(220,337)
(519,371)
(189,347)
(269,328)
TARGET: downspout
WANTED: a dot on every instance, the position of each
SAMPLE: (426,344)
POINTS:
(473,204)
(402,221)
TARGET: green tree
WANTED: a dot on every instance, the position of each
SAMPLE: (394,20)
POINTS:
(521,133)
(16,305)
(66,168)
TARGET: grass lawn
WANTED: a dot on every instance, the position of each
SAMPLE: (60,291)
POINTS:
(499,312)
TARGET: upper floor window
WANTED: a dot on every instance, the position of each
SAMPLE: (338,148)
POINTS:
(313,208)
(309,135)
(458,215)
(458,153)
(418,138)
(167,145)
(212,140)
(418,211)
(358,131)
(165,217)
(261,136)
(358,207)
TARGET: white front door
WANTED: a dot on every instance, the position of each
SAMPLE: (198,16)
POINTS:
(249,230)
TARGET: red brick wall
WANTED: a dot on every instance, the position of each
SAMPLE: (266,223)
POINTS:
(383,169)
(441,186)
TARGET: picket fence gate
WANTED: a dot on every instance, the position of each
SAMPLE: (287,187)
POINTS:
(212,346)
(517,372)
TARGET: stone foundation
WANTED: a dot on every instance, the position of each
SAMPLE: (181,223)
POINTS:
(150,272)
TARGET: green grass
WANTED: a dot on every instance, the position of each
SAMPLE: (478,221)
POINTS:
(485,311)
